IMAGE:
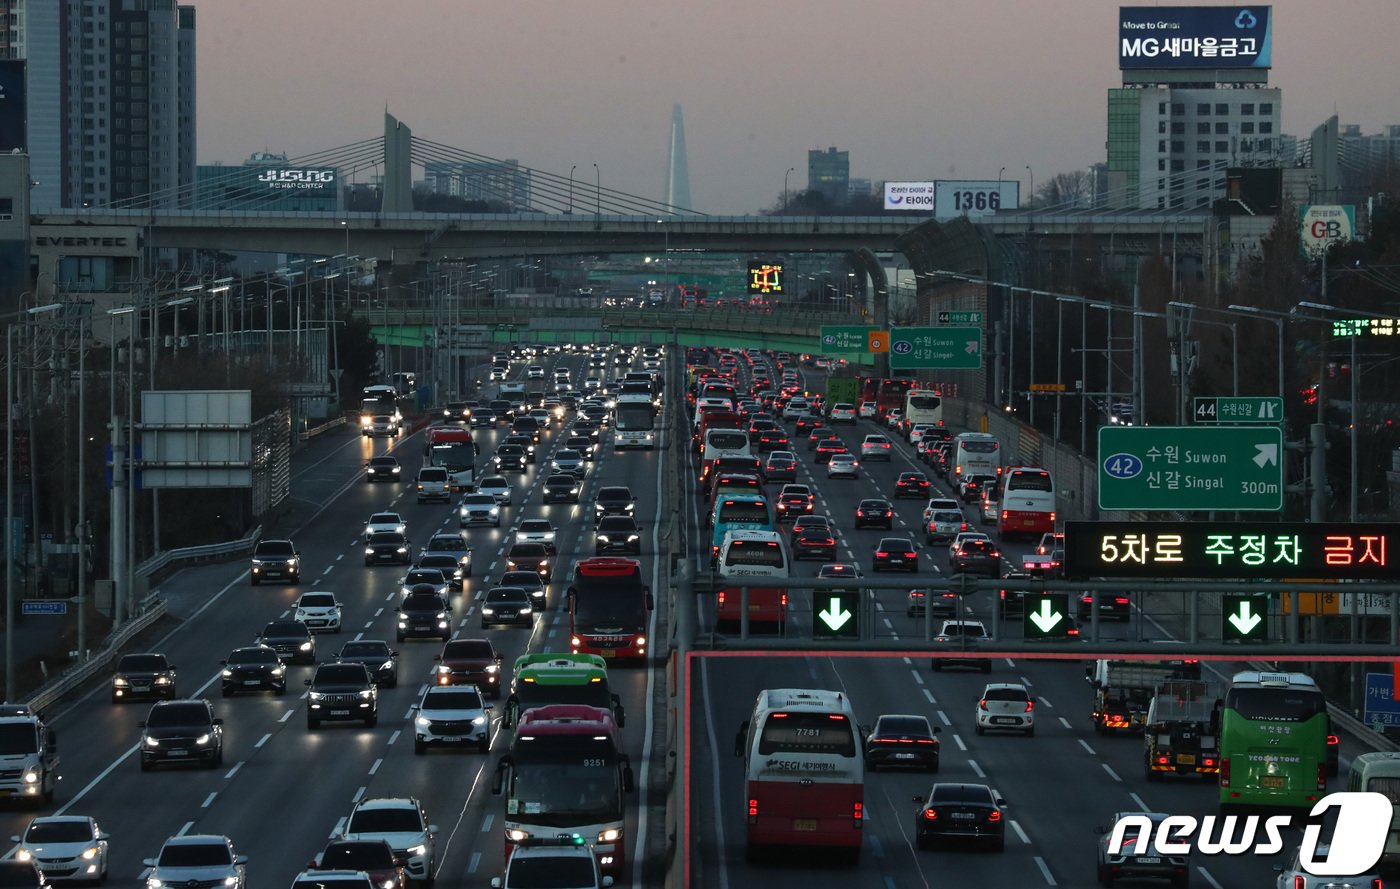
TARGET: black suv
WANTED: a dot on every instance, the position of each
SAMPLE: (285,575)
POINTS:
(614,500)
(530,557)
(291,640)
(341,691)
(253,669)
(617,534)
(143,675)
(388,546)
(560,487)
(510,458)
(378,658)
(424,612)
(275,559)
(182,731)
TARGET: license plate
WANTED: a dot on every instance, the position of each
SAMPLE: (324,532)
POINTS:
(963,816)
(1005,720)
(340,712)
(905,756)
(252,682)
(140,688)
(449,737)
(804,824)
(1149,860)
(1272,782)
(612,652)
(177,753)
(1186,758)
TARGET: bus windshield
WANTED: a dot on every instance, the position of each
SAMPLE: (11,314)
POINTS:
(726,441)
(577,787)
(747,552)
(1275,704)
(635,417)
(610,600)
(827,733)
(925,402)
(453,456)
(731,511)
(1030,481)
(979,447)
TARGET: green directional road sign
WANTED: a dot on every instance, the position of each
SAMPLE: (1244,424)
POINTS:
(1046,616)
(1244,617)
(960,317)
(936,347)
(837,614)
(1191,468)
(850,339)
(1227,409)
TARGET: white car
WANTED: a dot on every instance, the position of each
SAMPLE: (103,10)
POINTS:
(876,447)
(842,466)
(944,524)
(385,521)
(498,374)
(1005,705)
(569,462)
(320,611)
(940,504)
(961,635)
(197,860)
(403,825)
(569,863)
(917,432)
(894,417)
(797,407)
(961,538)
(70,847)
(592,384)
(990,509)
(867,410)
(498,487)
(478,509)
(534,372)
(332,878)
(536,531)
(1293,876)
(843,413)
(452,714)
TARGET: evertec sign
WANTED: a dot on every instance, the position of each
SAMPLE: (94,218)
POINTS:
(1195,36)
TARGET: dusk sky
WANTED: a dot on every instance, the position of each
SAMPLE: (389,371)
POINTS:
(914,89)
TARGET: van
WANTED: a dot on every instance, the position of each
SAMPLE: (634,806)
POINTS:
(433,484)
(1380,773)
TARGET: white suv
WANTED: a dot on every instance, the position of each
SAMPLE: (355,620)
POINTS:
(875,447)
(197,860)
(452,714)
(320,611)
(797,407)
(1006,705)
(562,862)
(403,825)
(332,879)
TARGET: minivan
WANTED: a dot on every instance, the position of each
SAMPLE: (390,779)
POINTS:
(433,484)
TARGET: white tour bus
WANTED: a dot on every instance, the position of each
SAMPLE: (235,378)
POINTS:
(746,558)
(974,453)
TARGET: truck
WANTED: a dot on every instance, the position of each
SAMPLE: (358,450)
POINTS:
(1181,735)
(28,756)
(842,390)
(1123,689)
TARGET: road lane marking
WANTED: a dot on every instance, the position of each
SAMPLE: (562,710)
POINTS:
(957,739)
(944,716)
(1137,799)
(1016,826)
(475,862)
(394,737)
(234,771)
(263,740)
(1085,744)
(1045,871)
(976,768)
(375,767)
(208,800)
(1208,878)
(359,795)
(185,829)
(918,679)
(1065,722)
(339,826)
(928,694)
(286,716)
(1112,774)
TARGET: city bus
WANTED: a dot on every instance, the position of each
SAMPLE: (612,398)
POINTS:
(922,406)
(566,774)
(557,678)
(452,448)
(804,775)
(747,557)
(609,608)
(739,512)
(886,393)
(1026,498)
(974,453)
(636,421)
(1273,741)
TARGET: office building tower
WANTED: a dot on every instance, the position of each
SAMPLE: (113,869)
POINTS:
(829,172)
(677,172)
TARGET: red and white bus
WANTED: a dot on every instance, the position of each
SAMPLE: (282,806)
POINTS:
(1026,495)
(609,608)
(746,558)
(804,775)
(452,448)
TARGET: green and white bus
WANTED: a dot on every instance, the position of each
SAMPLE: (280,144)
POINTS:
(549,678)
(1273,741)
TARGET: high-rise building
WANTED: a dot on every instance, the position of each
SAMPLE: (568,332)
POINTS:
(829,172)
(111,98)
(677,168)
(499,182)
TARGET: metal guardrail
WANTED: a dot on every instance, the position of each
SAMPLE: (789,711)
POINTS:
(195,553)
(56,688)
(322,428)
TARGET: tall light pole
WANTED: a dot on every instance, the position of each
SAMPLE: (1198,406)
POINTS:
(1031,198)
(597,196)
(571,189)
(785,189)
(1184,308)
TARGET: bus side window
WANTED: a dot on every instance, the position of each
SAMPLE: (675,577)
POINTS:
(739,738)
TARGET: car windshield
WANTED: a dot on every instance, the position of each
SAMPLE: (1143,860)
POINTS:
(552,872)
(506,595)
(526,579)
(1006,694)
(365,649)
(194,855)
(284,628)
(386,537)
(446,544)
(961,793)
(423,575)
(340,674)
(615,495)
(385,821)
(521,550)
(468,648)
(568,455)
(449,698)
(171,715)
(274,548)
(874,504)
(317,600)
(141,663)
(358,856)
(422,602)
(947,517)
(383,461)
(385,518)
(438,562)
(534,526)
(902,725)
(253,656)
(479,500)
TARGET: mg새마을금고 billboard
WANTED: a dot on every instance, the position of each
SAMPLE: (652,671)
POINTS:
(1194,36)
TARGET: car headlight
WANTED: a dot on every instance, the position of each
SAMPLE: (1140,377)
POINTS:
(388,884)
(423,721)
(23,855)
(632,538)
(305,646)
(150,742)
(387,665)
(153,883)
(525,610)
(257,563)
(516,836)
(278,670)
(419,849)
(609,835)
(401,550)
(488,611)
(228,674)
(480,720)
(119,682)
(367,694)
(396,470)
(162,680)
(493,668)
(202,739)
(369,550)
(230,881)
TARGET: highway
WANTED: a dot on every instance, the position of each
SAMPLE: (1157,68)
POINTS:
(282,792)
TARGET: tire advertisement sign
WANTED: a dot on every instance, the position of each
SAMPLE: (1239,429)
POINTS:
(909,196)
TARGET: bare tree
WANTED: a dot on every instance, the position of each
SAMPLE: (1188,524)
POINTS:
(1073,189)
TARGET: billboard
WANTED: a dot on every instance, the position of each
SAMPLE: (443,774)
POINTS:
(12,102)
(302,179)
(909,196)
(974,198)
(1194,36)
(1322,225)
(765,278)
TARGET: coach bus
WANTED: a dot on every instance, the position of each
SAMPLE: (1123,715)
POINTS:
(922,406)
(974,453)
(609,609)
(747,558)
(804,776)
(1026,498)
(636,421)
(556,678)
(1274,741)
(452,448)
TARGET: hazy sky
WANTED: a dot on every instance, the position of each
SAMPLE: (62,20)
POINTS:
(914,89)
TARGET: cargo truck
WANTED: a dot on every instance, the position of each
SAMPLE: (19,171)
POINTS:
(1181,735)
(1124,689)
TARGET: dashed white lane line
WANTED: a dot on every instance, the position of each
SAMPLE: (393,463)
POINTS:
(1112,774)
(1087,749)
(1015,825)
(976,768)
(375,767)
(263,740)
(359,795)
(1045,871)
(957,739)
(1065,722)
(234,771)
(208,800)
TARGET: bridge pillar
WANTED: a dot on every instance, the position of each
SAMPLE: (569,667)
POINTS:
(398,167)
(867,265)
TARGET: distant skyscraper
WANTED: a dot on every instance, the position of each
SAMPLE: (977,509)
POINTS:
(677,173)
(829,172)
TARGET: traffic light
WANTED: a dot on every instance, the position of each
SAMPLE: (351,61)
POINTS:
(837,614)
(1244,617)
(1046,616)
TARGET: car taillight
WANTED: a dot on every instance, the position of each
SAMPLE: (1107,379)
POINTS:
(784,600)
(915,594)
(982,704)
(996,554)
(1322,777)
(857,812)
(964,526)
(1300,881)
(1376,884)
(1030,705)
(911,555)
(994,815)
(753,811)
(1333,740)
(881,554)
(930,814)
(1162,760)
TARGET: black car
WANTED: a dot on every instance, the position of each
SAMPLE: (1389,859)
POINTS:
(560,488)
(424,612)
(895,554)
(527,425)
(182,731)
(388,547)
(617,534)
(1115,605)
(583,444)
(435,577)
(1013,602)
(146,675)
(501,410)
(530,557)
(448,564)
(455,412)
(902,741)
(291,640)
(875,514)
(381,660)
(614,500)
(452,543)
(256,668)
(961,810)
(507,605)
(814,540)
(483,416)
(978,557)
(587,428)
(525,441)
(972,487)
(529,581)
(341,692)
(15,874)
(510,458)
(275,559)
(383,469)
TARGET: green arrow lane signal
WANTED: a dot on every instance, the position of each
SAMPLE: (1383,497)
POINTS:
(1244,617)
(1046,616)
(838,617)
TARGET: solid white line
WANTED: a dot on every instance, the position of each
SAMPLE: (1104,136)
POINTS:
(208,800)
(1045,871)
(1112,774)
(976,768)
(1016,826)
(1085,744)
(714,764)
(234,771)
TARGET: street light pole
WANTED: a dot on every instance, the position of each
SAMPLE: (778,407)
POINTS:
(571,189)
(1031,198)
(785,189)
(597,196)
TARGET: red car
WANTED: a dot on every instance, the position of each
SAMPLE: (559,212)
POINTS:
(829,447)
(912,484)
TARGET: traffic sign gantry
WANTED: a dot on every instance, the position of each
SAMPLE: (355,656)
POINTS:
(1244,617)
(853,339)
(1046,616)
(1191,468)
(936,347)
(960,317)
(1228,409)
(837,614)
